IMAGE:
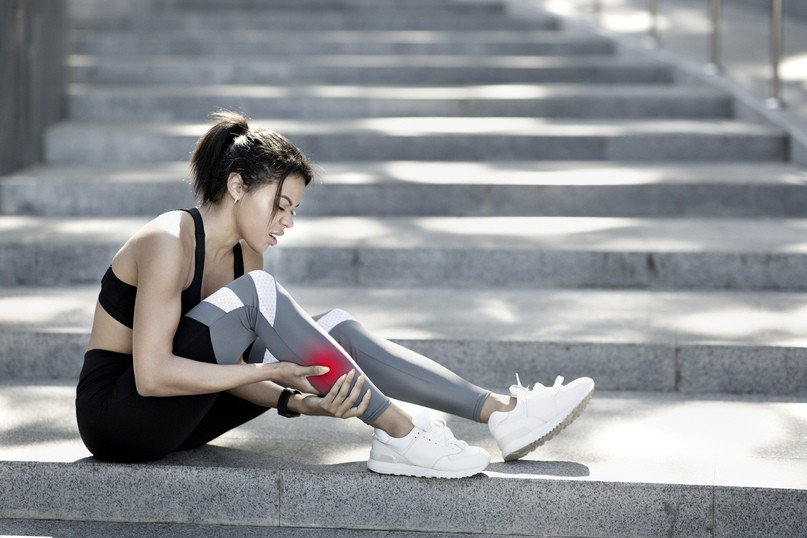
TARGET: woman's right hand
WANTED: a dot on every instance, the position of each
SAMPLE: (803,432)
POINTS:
(341,400)
(296,376)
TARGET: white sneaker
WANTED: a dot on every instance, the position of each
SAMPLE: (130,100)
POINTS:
(429,450)
(539,415)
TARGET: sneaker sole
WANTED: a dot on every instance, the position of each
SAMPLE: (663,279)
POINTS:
(402,469)
(543,437)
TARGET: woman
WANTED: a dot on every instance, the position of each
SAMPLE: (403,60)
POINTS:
(167,371)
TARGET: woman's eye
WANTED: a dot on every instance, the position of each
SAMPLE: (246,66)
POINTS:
(281,208)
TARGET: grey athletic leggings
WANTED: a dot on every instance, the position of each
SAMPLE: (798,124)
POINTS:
(254,310)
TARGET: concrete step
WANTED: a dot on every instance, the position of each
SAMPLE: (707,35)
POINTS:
(442,16)
(161,103)
(546,188)
(685,341)
(552,251)
(100,529)
(90,7)
(82,190)
(438,139)
(576,252)
(87,9)
(364,69)
(459,251)
(359,42)
(647,464)
(410,188)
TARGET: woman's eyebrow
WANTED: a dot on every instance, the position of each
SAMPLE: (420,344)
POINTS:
(289,200)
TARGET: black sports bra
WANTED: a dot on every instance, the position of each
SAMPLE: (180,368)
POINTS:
(117,298)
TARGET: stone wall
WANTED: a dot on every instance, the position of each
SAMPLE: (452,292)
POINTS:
(33,44)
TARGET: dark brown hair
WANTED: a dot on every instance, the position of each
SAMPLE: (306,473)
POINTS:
(260,156)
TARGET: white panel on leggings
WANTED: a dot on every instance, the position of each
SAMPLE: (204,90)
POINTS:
(268,357)
(226,299)
(333,318)
(267,294)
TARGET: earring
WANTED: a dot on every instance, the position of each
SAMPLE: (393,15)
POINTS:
(236,201)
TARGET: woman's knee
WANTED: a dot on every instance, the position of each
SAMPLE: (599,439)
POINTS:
(256,289)
(329,320)
(267,289)
(262,278)
(245,290)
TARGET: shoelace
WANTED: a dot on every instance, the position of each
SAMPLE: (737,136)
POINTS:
(518,386)
(554,388)
(538,386)
(440,432)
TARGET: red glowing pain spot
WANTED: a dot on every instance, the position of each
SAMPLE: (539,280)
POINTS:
(327,356)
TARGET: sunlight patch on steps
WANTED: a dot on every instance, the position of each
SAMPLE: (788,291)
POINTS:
(738,321)
(549,173)
(703,442)
(58,230)
(43,308)
(33,429)
(498,173)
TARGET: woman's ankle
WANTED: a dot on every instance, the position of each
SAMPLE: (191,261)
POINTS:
(496,403)
(394,422)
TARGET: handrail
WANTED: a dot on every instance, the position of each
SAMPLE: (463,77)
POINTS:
(777,34)
(716,24)
(714,63)
(652,8)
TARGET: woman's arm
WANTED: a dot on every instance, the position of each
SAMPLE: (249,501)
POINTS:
(339,402)
(162,272)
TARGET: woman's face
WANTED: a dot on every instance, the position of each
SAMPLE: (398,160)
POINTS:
(261,221)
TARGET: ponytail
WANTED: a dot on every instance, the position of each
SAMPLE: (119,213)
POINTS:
(260,156)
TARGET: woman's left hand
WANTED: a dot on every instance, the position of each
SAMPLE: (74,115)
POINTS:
(340,400)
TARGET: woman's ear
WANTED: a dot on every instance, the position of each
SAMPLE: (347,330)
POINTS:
(235,186)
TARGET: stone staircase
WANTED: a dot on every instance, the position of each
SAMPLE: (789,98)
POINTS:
(505,193)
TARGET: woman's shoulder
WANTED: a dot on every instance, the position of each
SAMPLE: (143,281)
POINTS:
(168,227)
(165,248)
(167,240)
(171,233)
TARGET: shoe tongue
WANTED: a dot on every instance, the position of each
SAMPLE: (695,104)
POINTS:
(515,389)
(422,420)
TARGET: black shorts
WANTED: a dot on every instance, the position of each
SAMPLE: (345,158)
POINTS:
(118,424)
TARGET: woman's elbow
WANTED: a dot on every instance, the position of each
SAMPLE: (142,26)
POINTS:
(148,387)
(149,383)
